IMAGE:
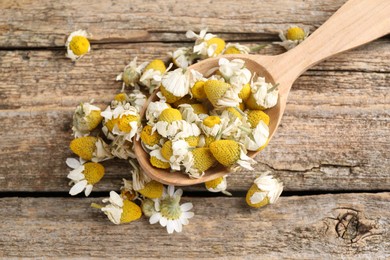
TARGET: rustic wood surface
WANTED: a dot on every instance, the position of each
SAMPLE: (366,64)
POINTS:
(334,136)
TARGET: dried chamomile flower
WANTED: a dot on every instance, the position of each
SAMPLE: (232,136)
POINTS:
(148,207)
(292,37)
(256,137)
(169,212)
(201,159)
(212,125)
(151,76)
(85,118)
(182,57)
(193,113)
(218,185)
(152,190)
(177,153)
(90,148)
(175,85)
(264,95)
(120,210)
(236,48)
(121,148)
(137,99)
(150,139)
(157,160)
(230,152)
(206,44)
(77,45)
(124,120)
(255,116)
(234,72)
(265,190)
(154,110)
(131,73)
(84,175)
(139,177)
(127,190)
(221,94)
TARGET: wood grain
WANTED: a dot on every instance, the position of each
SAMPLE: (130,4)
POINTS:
(31,24)
(333,136)
(309,227)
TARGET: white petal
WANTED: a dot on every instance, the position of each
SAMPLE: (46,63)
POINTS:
(72,163)
(178,193)
(177,225)
(77,175)
(88,190)
(163,221)
(257,197)
(155,218)
(184,221)
(78,187)
(187,214)
(186,206)
(115,199)
(171,190)
(170,226)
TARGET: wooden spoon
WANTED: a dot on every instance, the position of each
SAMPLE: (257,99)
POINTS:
(357,22)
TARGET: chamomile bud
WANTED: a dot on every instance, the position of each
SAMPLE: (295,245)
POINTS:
(85,118)
(218,185)
(203,159)
(264,95)
(255,116)
(221,94)
(121,210)
(77,45)
(148,207)
(206,44)
(197,90)
(211,125)
(90,148)
(152,190)
(236,48)
(265,190)
(151,76)
(131,73)
(158,161)
(175,85)
(149,139)
(293,36)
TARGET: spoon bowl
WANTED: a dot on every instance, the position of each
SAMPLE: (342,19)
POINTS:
(357,22)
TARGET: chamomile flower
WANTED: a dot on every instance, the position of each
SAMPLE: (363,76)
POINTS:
(218,185)
(229,153)
(154,110)
(234,72)
(201,159)
(255,116)
(151,140)
(206,44)
(131,73)
(182,57)
(121,210)
(124,120)
(137,99)
(177,153)
(151,76)
(175,85)
(138,175)
(292,37)
(90,148)
(193,113)
(221,94)
(236,48)
(265,190)
(85,118)
(148,207)
(127,190)
(152,190)
(169,212)
(256,137)
(212,125)
(77,45)
(157,160)
(84,175)
(264,95)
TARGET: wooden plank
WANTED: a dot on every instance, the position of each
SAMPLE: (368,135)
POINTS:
(31,24)
(333,136)
(351,226)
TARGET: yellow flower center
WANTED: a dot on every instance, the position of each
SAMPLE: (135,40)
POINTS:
(253,189)
(232,50)
(79,45)
(295,34)
(234,113)
(94,119)
(120,97)
(158,163)
(124,122)
(213,184)
(209,140)
(245,92)
(211,121)
(241,106)
(203,159)
(148,138)
(111,123)
(255,116)
(215,89)
(170,115)
(168,95)
(199,109)
(198,90)
(157,65)
(152,190)
(170,208)
(131,211)
(227,152)
(93,172)
(252,104)
(84,146)
(166,150)
(220,45)
(192,141)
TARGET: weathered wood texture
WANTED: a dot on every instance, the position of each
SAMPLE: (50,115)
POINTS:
(46,23)
(334,135)
(347,226)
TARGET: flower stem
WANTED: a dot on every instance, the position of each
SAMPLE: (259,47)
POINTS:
(96,206)
(273,88)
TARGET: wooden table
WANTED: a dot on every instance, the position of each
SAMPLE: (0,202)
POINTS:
(331,151)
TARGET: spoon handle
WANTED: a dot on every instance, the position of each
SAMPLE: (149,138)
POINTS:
(357,22)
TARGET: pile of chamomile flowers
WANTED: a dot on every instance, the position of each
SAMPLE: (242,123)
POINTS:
(196,123)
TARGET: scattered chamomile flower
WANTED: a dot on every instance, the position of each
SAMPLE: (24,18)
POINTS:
(169,212)
(206,44)
(193,113)
(182,57)
(236,48)
(218,185)
(265,190)
(139,177)
(77,45)
(84,175)
(230,152)
(292,37)
(90,148)
(120,210)
(85,118)
(131,73)
(264,95)
(175,85)
(148,207)
(152,190)
(151,76)
(221,94)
